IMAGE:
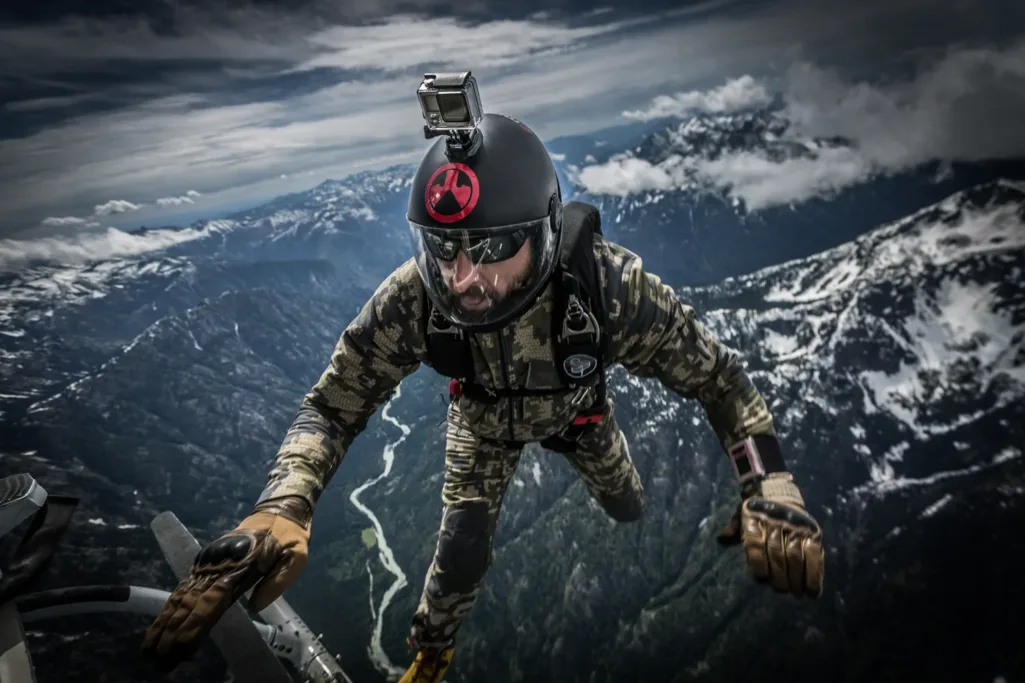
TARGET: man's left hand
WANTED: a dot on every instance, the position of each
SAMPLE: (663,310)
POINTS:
(782,542)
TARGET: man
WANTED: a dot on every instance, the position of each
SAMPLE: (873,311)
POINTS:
(488,233)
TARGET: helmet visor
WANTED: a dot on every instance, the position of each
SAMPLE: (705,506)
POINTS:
(484,276)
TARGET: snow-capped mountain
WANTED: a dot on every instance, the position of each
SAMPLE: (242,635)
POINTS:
(60,320)
(938,291)
(696,230)
(364,214)
(678,146)
(333,221)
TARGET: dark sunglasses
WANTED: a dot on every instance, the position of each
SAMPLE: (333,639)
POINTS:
(491,249)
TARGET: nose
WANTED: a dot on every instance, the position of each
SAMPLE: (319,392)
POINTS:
(466,274)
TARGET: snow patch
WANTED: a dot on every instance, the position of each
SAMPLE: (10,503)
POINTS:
(887,484)
(959,325)
(936,507)
(779,344)
(195,343)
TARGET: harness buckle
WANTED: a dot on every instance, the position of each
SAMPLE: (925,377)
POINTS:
(438,324)
(579,321)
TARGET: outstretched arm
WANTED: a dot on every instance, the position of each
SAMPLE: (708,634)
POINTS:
(656,335)
(376,351)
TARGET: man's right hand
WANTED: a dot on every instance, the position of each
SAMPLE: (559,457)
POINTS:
(266,552)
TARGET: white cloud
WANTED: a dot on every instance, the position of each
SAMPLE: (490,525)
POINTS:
(407,41)
(62,220)
(91,246)
(762,183)
(186,198)
(629,175)
(734,95)
(115,206)
(967,105)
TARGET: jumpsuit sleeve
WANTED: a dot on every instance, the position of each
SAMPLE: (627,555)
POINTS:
(379,348)
(655,335)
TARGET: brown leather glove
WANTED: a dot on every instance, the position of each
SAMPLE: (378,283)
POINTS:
(265,552)
(782,542)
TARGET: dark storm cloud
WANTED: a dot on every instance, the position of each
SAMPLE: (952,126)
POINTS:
(70,59)
(166,15)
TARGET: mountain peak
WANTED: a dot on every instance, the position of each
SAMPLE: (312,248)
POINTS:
(983,220)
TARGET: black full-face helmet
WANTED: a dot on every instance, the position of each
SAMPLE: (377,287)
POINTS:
(494,214)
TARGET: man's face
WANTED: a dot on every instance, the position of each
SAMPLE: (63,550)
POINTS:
(478,287)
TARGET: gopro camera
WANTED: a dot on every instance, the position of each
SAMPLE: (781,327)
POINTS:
(451,106)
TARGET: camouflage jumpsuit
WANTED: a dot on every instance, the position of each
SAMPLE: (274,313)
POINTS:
(652,334)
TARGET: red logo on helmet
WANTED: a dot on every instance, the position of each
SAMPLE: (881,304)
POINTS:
(452,192)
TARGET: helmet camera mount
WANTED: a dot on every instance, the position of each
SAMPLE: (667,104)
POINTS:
(450,103)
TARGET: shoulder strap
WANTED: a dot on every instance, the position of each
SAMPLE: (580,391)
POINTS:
(579,312)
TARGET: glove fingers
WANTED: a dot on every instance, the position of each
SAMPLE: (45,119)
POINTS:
(169,608)
(159,625)
(273,586)
(815,566)
(166,636)
(189,625)
(210,605)
(776,558)
(754,547)
(198,624)
(186,603)
(172,644)
(170,635)
(794,545)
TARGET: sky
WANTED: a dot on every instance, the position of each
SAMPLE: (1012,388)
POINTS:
(122,113)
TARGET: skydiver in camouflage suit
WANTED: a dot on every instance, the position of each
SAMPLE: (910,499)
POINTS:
(486,234)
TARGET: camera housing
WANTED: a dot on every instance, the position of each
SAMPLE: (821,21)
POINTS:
(450,104)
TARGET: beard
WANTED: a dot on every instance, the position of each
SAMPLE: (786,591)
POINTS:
(482,296)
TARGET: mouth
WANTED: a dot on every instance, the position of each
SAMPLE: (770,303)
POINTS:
(474,302)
